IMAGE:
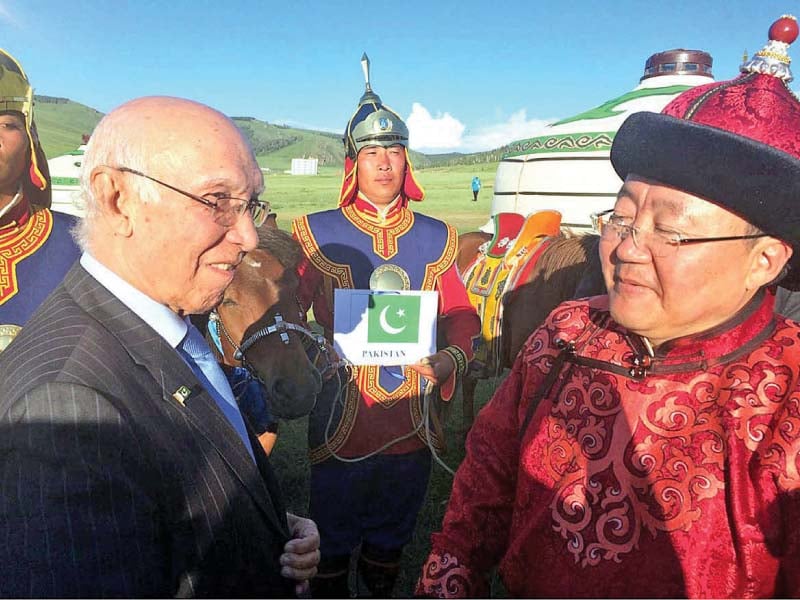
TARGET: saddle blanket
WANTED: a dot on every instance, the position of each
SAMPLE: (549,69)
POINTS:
(514,249)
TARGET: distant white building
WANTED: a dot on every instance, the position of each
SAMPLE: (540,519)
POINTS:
(304,166)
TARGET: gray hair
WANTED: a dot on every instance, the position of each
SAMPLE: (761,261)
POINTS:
(108,146)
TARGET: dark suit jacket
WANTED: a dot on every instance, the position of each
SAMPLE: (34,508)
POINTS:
(109,486)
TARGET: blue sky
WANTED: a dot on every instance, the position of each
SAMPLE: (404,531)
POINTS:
(472,75)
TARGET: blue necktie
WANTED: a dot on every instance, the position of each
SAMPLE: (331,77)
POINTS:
(198,355)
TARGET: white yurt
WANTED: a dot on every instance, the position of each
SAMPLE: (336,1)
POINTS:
(65,172)
(568,168)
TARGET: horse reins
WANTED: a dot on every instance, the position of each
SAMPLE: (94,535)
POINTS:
(278,326)
(282,327)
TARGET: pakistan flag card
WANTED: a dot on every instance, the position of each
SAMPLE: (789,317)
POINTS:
(384,327)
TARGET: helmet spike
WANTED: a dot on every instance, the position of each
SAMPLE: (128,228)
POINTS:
(373,123)
(365,68)
(369,95)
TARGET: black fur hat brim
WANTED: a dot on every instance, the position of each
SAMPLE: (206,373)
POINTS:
(756,181)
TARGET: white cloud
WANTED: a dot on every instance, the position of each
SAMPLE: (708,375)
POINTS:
(517,127)
(440,133)
(6,15)
(445,133)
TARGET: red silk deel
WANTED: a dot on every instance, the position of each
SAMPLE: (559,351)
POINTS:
(682,481)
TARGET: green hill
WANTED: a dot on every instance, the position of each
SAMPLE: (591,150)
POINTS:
(276,145)
(62,124)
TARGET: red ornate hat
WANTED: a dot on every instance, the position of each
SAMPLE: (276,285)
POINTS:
(735,143)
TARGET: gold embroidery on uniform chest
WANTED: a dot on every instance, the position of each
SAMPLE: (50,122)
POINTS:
(384,235)
(19,246)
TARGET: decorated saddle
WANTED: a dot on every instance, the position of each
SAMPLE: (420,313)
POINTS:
(501,264)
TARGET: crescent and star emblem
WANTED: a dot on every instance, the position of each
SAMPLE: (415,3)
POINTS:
(385,324)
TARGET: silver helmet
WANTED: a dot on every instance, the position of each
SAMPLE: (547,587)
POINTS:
(373,123)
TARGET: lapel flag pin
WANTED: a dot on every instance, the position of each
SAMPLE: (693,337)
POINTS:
(182,394)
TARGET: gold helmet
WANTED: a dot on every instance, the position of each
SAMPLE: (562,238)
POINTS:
(16,94)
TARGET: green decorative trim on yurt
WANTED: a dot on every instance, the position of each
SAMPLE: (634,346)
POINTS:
(75,153)
(606,109)
(565,142)
(65,181)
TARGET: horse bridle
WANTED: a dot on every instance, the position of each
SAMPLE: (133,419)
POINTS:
(278,326)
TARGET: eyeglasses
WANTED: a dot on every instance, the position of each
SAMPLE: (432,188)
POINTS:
(659,242)
(226,209)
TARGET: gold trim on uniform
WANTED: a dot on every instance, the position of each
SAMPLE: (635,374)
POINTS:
(18,246)
(384,236)
(447,258)
(352,400)
(367,377)
(370,382)
(341,273)
(459,359)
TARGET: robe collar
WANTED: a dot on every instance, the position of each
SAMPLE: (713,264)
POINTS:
(379,213)
(737,332)
(603,343)
(15,214)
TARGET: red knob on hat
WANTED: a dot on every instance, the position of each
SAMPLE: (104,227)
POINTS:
(784,30)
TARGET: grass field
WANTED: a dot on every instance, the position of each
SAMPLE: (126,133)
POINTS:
(291,464)
(448,194)
(449,197)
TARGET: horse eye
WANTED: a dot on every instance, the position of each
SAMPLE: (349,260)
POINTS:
(227,302)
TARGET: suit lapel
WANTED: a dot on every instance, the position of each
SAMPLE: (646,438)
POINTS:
(177,382)
(204,413)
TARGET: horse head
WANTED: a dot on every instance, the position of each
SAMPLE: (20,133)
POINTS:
(262,326)
(468,245)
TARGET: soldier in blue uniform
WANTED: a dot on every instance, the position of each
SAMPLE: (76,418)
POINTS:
(36,247)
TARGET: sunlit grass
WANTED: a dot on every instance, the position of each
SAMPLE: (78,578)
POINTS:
(290,461)
(448,194)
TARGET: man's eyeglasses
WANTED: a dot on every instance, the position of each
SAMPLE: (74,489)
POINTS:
(226,209)
(659,242)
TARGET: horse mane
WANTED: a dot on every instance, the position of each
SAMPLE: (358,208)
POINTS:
(281,245)
(568,268)
(568,250)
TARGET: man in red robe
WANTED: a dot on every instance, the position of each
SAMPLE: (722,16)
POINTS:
(369,437)
(647,442)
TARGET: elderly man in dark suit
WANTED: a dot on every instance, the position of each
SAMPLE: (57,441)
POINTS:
(125,466)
